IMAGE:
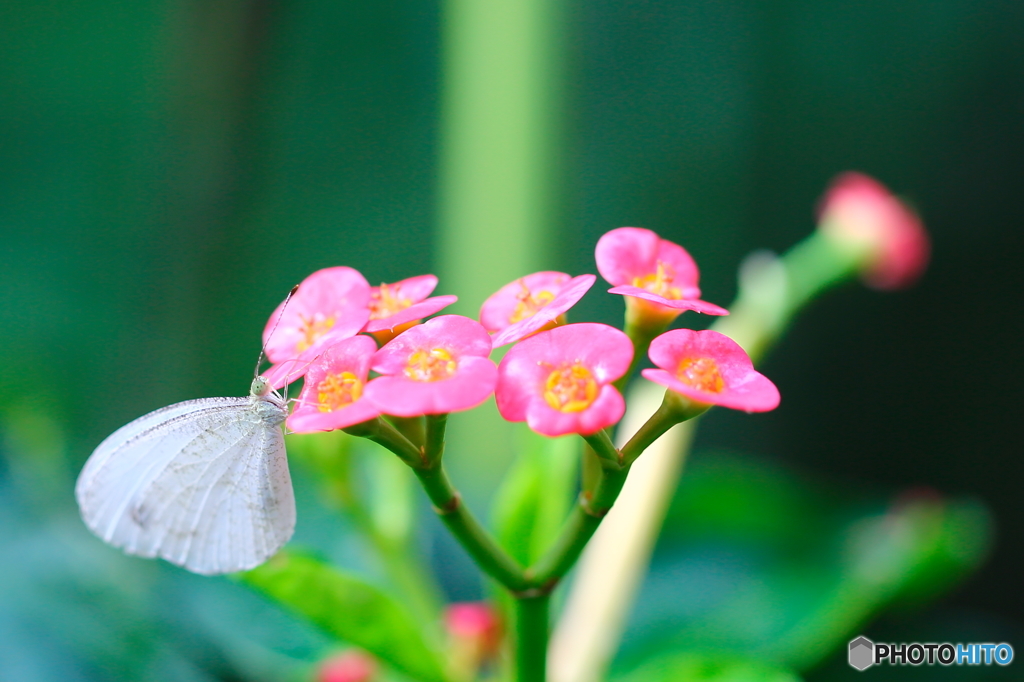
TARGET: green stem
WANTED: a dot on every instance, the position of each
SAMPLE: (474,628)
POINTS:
(581,525)
(603,447)
(433,442)
(532,637)
(486,552)
(669,414)
(641,336)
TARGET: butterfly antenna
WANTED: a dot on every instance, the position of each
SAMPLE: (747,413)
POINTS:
(263,351)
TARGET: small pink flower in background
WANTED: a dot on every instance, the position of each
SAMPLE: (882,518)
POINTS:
(532,303)
(710,368)
(399,306)
(332,395)
(657,277)
(330,304)
(559,381)
(859,212)
(474,630)
(437,367)
(351,666)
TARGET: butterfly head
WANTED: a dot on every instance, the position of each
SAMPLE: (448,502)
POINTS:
(260,387)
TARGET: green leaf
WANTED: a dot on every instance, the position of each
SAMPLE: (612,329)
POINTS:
(349,609)
(535,497)
(691,667)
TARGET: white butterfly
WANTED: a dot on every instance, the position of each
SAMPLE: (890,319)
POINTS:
(203,484)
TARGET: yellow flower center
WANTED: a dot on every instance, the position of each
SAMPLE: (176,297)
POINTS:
(702,374)
(529,303)
(338,391)
(660,283)
(571,389)
(312,328)
(430,365)
(385,302)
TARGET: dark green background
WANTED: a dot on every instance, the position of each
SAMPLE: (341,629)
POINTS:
(169,170)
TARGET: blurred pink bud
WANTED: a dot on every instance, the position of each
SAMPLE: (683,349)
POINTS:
(560,381)
(476,623)
(710,368)
(859,212)
(350,666)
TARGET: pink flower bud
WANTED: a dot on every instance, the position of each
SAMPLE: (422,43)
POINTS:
(858,212)
(476,623)
(350,666)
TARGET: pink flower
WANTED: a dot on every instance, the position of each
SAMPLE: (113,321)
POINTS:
(559,381)
(330,304)
(657,277)
(859,212)
(351,666)
(332,395)
(532,303)
(710,368)
(396,307)
(475,623)
(437,367)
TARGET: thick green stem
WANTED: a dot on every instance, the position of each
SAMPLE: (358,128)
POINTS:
(641,336)
(532,637)
(486,552)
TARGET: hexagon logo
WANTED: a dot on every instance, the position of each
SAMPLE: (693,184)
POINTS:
(862,653)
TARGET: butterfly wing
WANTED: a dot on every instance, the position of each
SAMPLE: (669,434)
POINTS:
(203,484)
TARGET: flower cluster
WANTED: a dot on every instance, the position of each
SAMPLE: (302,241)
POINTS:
(365,351)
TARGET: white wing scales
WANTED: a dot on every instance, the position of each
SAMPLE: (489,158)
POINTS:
(203,484)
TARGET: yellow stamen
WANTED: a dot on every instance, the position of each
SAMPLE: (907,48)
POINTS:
(338,391)
(660,283)
(385,302)
(702,374)
(312,328)
(430,365)
(571,389)
(529,303)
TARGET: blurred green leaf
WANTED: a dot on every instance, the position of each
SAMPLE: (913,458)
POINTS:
(687,667)
(535,496)
(350,609)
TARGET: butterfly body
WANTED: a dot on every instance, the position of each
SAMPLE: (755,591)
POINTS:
(203,484)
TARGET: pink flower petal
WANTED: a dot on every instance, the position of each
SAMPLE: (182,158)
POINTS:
(675,304)
(606,411)
(742,387)
(330,304)
(400,396)
(349,356)
(459,335)
(568,295)
(628,253)
(601,354)
(416,311)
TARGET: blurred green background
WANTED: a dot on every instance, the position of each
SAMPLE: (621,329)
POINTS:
(168,170)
